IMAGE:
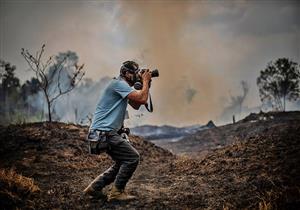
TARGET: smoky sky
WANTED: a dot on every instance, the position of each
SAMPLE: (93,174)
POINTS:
(203,49)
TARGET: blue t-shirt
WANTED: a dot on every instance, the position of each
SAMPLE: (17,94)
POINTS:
(111,108)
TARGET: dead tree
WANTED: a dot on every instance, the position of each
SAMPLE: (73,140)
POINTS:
(47,79)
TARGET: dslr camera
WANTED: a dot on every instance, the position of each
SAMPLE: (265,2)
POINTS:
(138,83)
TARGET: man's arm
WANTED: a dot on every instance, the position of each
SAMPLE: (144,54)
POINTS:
(134,105)
(139,97)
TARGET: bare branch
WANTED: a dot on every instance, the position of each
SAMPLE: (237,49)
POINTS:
(40,55)
(30,65)
(73,85)
(45,74)
(58,80)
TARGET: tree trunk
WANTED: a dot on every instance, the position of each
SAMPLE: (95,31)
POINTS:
(284,103)
(6,110)
(49,112)
(48,106)
(42,115)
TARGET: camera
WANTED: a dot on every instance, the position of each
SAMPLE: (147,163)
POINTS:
(124,130)
(124,133)
(138,84)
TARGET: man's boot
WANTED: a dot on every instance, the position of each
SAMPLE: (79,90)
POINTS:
(94,194)
(119,195)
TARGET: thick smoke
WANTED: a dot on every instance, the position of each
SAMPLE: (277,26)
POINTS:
(200,47)
(157,30)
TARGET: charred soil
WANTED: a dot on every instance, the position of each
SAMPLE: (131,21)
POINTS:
(47,165)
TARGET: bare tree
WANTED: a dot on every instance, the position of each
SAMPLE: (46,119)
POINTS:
(49,75)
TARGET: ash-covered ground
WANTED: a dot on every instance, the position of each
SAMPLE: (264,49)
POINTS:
(47,165)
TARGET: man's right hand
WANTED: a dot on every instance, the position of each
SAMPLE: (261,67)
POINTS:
(146,76)
(141,96)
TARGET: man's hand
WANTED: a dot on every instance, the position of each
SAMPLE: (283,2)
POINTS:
(141,96)
(146,76)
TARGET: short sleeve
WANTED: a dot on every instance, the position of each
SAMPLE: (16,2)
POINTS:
(122,88)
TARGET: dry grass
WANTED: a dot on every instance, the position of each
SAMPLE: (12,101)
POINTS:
(15,189)
(17,181)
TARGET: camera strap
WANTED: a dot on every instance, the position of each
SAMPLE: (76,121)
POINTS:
(149,107)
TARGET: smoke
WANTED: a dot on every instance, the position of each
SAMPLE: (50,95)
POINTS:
(199,47)
(157,30)
(78,106)
(190,93)
(236,106)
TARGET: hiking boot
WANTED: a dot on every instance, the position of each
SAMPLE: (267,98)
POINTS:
(94,194)
(119,195)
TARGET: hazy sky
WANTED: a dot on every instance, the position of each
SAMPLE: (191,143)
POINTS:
(203,49)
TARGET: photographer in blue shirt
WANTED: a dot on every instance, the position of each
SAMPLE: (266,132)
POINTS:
(108,120)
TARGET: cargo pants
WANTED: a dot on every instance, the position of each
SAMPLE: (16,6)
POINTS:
(126,159)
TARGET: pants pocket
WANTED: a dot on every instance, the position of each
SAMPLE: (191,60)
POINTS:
(115,140)
(97,143)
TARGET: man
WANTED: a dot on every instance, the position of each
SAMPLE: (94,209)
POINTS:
(108,118)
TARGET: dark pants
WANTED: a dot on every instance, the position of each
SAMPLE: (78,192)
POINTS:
(126,159)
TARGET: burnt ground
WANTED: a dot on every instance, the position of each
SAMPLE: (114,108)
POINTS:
(46,166)
(200,143)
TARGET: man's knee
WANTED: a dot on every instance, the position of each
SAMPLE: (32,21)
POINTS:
(135,159)
(134,156)
(137,156)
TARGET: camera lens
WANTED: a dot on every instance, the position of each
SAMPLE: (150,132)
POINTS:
(155,73)
(138,85)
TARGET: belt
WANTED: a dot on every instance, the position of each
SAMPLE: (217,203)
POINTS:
(102,132)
